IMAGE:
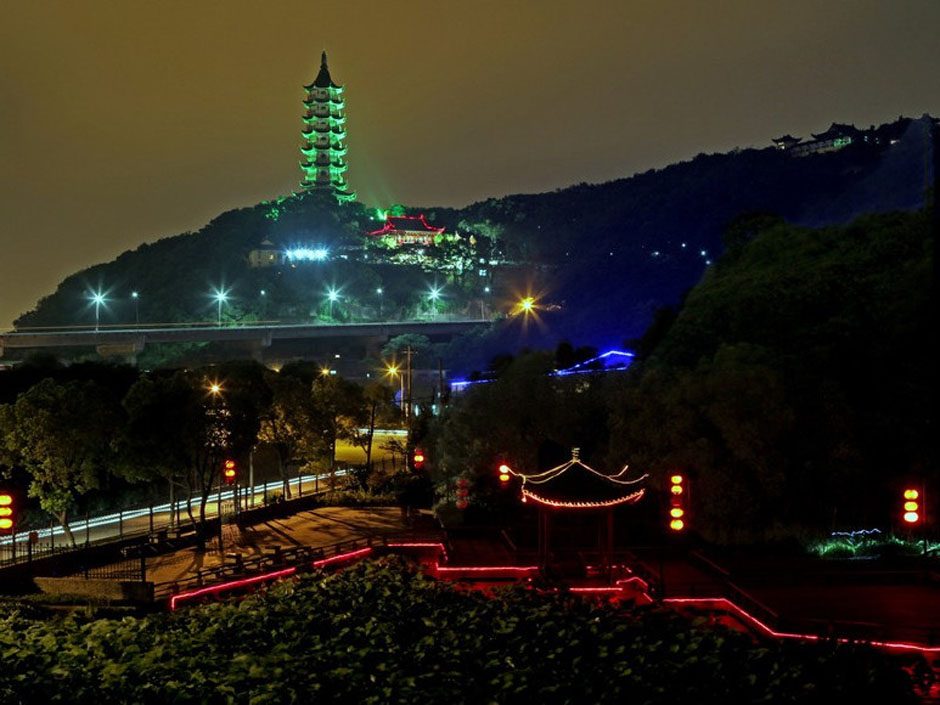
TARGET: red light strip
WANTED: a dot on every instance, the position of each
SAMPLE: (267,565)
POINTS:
(390,227)
(581,505)
(487,568)
(785,635)
(596,589)
(342,557)
(228,586)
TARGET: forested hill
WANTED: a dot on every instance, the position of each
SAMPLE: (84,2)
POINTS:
(606,254)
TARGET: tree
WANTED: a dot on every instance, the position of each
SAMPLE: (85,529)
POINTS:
(339,411)
(287,425)
(61,434)
(377,399)
(182,430)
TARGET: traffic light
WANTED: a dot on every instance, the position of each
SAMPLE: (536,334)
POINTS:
(7,513)
(677,502)
(504,474)
(229,472)
(417,458)
(911,506)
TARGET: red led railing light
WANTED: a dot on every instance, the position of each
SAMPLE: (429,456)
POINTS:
(486,568)
(785,635)
(342,557)
(214,589)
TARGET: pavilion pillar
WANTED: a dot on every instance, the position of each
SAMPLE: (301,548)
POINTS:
(610,543)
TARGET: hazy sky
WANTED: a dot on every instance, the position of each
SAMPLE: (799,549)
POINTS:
(125,121)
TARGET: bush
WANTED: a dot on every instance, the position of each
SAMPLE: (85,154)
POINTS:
(380,632)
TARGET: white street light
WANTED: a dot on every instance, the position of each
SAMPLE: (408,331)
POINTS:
(97,298)
(221,296)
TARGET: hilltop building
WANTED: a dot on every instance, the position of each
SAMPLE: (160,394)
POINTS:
(408,230)
(266,254)
(324,133)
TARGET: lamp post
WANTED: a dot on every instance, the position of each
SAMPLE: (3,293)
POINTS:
(136,297)
(221,296)
(393,370)
(378,292)
(97,299)
(332,295)
(486,290)
(434,294)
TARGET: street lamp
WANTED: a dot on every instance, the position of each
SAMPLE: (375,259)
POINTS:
(333,296)
(97,298)
(136,297)
(378,292)
(221,296)
(393,370)
(434,294)
(526,305)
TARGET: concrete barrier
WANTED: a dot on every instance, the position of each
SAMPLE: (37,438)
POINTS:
(98,588)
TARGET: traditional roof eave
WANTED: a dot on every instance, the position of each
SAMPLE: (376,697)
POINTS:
(629,499)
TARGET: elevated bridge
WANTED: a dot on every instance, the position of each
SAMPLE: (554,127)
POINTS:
(129,340)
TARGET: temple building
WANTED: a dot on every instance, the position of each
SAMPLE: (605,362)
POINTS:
(324,134)
(408,230)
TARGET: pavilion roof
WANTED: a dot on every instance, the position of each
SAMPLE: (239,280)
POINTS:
(576,485)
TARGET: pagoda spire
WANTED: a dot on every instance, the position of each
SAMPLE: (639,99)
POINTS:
(324,137)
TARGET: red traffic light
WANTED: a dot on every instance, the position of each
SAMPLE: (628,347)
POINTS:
(7,513)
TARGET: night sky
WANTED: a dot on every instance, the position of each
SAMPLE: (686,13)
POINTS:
(124,122)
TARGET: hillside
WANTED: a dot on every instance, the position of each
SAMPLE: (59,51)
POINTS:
(797,379)
(605,256)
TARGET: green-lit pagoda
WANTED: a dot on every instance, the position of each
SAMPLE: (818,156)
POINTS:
(324,133)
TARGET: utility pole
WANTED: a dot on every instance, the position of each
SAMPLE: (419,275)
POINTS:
(408,351)
(440,381)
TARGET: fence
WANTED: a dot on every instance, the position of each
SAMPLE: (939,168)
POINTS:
(241,570)
(141,521)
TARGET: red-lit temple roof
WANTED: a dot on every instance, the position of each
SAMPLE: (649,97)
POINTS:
(406,224)
(574,485)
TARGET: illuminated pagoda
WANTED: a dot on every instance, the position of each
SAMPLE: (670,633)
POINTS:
(408,230)
(324,133)
(576,488)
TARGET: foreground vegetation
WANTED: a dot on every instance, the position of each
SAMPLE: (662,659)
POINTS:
(380,632)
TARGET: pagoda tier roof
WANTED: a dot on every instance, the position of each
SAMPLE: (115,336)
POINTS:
(406,224)
(786,139)
(575,485)
(323,79)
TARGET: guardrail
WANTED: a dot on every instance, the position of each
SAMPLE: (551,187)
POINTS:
(275,563)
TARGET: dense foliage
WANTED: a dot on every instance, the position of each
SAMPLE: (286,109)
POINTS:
(383,634)
(104,428)
(793,386)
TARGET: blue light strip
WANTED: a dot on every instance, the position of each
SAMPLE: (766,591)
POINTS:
(459,385)
(106,519)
